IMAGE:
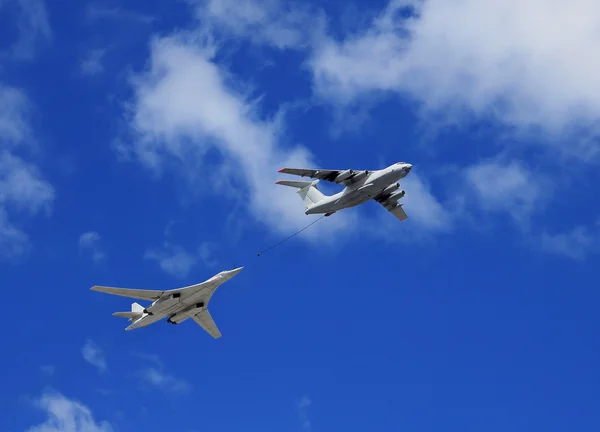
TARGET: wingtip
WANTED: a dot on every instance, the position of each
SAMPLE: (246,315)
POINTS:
(282,170)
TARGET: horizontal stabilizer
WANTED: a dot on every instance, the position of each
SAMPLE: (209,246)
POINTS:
(296,184)
(130,315)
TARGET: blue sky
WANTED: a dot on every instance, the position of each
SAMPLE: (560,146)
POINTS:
(139,146)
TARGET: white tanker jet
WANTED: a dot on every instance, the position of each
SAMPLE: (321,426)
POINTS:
(178,304)
(360,187)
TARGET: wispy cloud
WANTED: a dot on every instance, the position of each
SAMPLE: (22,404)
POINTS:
(531,78)
(173,259)
(186,104)
(164,381)
(67,415)
(508,186)
(23,190)
(576,243)
(272,22)
(90,241)
(92,63)
(14,117)
(94,355)
(176,260)
(302,407)
(156,377)
(95,11)
(33,27)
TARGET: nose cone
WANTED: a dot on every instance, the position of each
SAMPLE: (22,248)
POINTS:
(235,271)
(407,167)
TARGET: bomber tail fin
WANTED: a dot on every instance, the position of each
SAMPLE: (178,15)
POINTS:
(307,190)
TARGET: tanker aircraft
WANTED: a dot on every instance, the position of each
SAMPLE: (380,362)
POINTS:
(360,187)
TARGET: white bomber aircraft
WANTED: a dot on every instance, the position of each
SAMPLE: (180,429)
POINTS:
(178,304)
(360,187)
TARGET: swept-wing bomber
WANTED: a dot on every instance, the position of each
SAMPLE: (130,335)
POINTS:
(360,187)
(177,304)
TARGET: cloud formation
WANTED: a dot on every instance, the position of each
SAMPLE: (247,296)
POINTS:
(23,189)
(164,381)
(173,259)
(576,243)
(273,22)
(508,186)
(90,241)
(458,63)
(185,104)
(94,355)
(67,415)
(525,65)
(156,377)
(33,28)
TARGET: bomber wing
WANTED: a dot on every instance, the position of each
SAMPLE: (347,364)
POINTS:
(333,176)
(204,320)
(140,294)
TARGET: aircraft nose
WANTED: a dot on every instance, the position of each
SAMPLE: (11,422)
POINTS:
(407,167)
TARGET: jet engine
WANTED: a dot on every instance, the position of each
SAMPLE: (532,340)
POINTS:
(360,176)
(396,196)
(391,188)
(344,175)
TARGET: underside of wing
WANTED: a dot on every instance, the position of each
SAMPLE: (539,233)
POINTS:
(204,320)
(333,176)
(398,211)
(139,294)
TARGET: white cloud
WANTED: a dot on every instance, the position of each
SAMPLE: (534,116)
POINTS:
(185,104)
(576,243)
(13,242)
(165,382)
(67,415)
(508,186)
(32,24)
(90,241)
(528,65)
(14,113)
(282,25)
(94,355)
(425,210)
(156,377)
(176,260)
(173,259)
(22,187)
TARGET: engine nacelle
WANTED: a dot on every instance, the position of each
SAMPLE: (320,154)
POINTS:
(391,188)
(361,175)
(344,175)
(396,196)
